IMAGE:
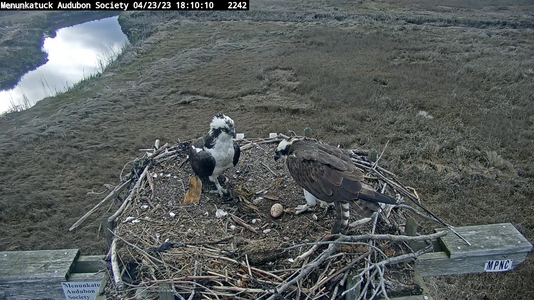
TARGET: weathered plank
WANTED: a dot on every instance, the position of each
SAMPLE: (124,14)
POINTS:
(494,242)
(35,274)
(485,240)
(90,264)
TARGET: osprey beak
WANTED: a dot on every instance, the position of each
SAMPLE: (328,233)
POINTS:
(277,156)
(232,133)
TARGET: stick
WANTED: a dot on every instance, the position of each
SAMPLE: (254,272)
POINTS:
(260,271)
(350,265)
(194,274)
(111,195)
(394,238)
(359,222)
(239,221)
(130,196)
(279,290)
(307,253)
(267,167)
(115,266)
(379,157)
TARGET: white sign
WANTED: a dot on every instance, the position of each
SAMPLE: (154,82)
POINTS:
(498,265)
(80,290)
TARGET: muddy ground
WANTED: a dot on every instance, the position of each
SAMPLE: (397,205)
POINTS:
(448,87)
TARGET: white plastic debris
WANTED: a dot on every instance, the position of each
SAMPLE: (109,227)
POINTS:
(239,136)
(220,213)
(172,214)
(155,175)
(273,135)
(425,114)
(128,219)
(267,230)
(232,227)
(144,206)
(290,260)
(135,221)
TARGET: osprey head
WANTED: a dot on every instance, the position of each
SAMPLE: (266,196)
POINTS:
(222,124)
(283,148)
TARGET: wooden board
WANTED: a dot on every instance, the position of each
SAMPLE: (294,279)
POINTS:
(492,239)
(439,263)
(35,274)
(494,242)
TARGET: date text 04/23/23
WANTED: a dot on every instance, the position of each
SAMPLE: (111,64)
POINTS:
(125,5)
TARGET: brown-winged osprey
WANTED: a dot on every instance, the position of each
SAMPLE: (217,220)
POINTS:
(328,174)
(211,155)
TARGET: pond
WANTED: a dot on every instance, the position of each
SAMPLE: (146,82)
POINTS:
(75,53)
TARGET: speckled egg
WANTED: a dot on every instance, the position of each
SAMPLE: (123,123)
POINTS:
(277,210)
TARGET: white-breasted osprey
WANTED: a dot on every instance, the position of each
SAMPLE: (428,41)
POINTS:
(328,174)
(211,155)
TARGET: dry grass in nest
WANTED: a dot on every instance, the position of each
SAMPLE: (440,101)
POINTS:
(234,248)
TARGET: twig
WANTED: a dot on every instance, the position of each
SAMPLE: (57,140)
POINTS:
(239,221)
(115,266)
(379,157)
(394,238)
(382,283)
(197,284)
(260,271)
(111,195)
(267,167)
(194,274)
(417,212)
(350,265)
(130,196)
(304,272)
(248,266)
(137,248)
(238,289)
(451,228)
(359,222)
(307,253)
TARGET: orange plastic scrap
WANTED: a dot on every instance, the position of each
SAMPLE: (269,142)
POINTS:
(195,188)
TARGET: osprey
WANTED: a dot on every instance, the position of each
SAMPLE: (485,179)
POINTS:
(211,155)
(328,174)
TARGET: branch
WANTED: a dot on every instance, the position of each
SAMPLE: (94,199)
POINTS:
(130,196)
(115,266)
(344,239)
(111,195)
(331,249)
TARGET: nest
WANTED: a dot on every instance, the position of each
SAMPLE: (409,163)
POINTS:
(233,246)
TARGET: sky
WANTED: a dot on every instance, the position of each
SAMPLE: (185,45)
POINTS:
(73,54)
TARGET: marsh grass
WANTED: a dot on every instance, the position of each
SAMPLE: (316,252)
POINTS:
(359,83)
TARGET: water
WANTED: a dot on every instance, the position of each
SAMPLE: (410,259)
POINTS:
(74,54)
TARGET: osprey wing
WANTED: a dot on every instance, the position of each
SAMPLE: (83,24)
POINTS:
(329,174)
(201,161)
(322,180)
(237,153)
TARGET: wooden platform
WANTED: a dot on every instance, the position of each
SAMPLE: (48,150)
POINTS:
(40,274)
(494,248)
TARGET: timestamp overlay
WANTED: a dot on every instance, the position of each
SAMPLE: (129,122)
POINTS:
(124,5)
